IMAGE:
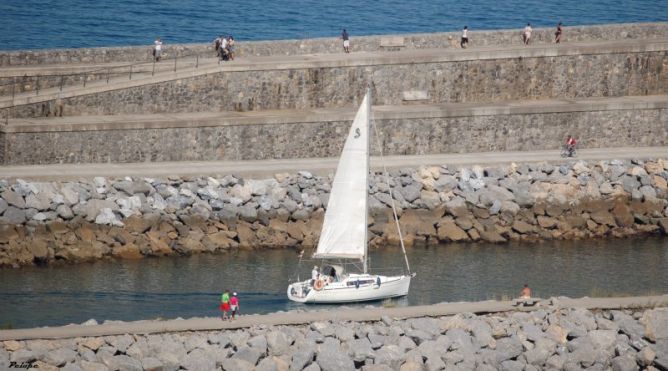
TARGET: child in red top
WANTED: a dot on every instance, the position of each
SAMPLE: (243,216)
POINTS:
(234,304)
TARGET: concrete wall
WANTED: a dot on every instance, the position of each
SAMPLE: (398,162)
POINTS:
(513,75)
(333,45)
(405,130)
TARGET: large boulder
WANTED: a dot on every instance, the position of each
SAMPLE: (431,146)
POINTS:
(131,188)
(508,348)
(389,355)
(40,201)
(14,199)
(410,192)
(242,192)
(13,216)
(236,364)
(70,193)
(494,193)
(334,359)
(656,324)
(361,350)
(94,207)
(302,357)
(448,230)
(248,354)
(107,216)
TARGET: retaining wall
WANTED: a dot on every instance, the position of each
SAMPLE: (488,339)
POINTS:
(597,71)
(404,130)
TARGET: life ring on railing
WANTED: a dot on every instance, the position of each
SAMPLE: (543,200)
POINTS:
(318,284)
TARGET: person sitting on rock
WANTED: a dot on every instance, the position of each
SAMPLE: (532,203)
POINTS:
(526,292)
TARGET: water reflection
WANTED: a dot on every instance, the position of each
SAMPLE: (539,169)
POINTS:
(190,286)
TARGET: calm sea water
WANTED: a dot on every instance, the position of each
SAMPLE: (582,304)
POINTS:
(190,286)
(33,24)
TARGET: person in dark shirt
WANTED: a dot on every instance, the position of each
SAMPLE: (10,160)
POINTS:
(557,35)
(346,41)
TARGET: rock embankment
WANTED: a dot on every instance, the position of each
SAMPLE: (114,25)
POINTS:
(559,339)
(132,218)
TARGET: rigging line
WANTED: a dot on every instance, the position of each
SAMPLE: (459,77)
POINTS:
(387,180)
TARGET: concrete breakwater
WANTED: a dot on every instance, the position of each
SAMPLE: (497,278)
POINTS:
(333,44)
(131,218)
(547,338)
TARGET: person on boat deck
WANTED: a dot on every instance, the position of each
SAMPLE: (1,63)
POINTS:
(333,274)
(526,292)
(314,274)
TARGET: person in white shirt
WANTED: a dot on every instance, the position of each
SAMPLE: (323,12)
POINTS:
(465,38)
(157,49)
(314,275)
(223,49)
(527,34)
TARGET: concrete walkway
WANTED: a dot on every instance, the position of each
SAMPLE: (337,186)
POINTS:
(290,116)
(300,318)
(320,166)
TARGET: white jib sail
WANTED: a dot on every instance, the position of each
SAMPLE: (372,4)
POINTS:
(343,232)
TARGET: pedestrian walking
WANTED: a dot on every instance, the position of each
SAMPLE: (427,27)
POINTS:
(465,38)
(157,49)
(526,35)
(557,35)
(230,47)
(346,41)
(234,304)
(223,53)
(225,305)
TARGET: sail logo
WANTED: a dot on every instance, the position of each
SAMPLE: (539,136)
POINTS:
(357,133)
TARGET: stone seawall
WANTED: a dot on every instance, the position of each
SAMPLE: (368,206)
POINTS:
(333,45)
(549,338)
(132,218)
(404,130)
(603,72)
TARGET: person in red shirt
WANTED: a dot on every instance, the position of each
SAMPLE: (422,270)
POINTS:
(570,145)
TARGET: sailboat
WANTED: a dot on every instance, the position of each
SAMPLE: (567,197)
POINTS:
(343,243)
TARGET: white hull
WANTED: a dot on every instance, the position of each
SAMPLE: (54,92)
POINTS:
(347,292)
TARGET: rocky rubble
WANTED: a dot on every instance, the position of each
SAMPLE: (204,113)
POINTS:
(131,218)
(551,339)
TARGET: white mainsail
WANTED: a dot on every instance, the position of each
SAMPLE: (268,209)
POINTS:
(344,230)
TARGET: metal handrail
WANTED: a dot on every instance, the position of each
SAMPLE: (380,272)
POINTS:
(100,70)
(106,71)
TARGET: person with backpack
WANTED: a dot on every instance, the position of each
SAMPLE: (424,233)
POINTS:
(225,305)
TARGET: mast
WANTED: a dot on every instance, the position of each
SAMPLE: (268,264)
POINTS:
(394,208)
(368,156)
